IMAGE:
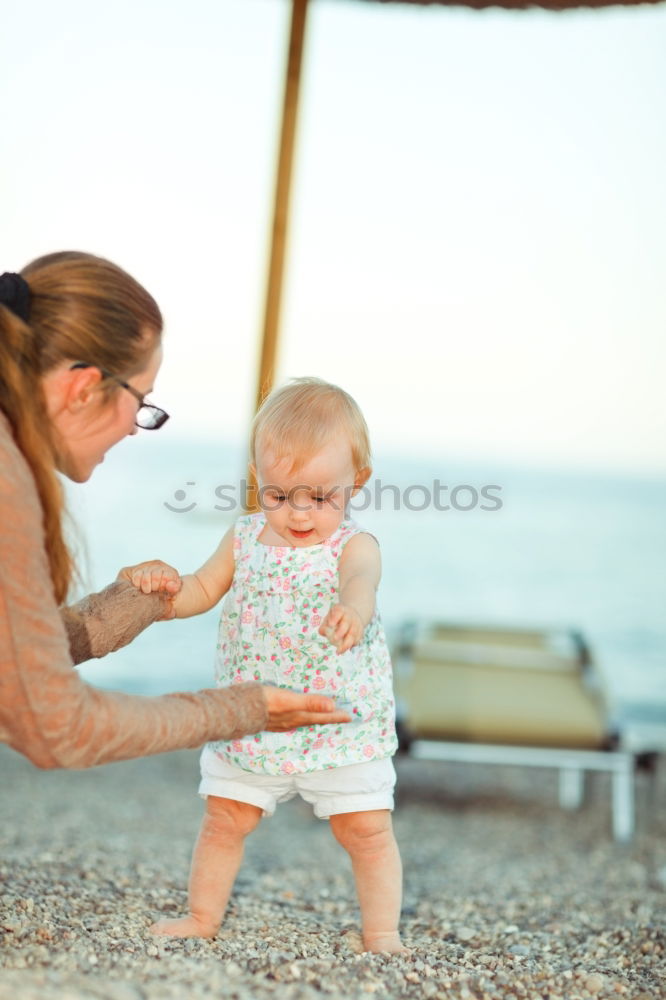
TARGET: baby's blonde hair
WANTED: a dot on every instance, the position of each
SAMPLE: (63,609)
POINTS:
(298,419)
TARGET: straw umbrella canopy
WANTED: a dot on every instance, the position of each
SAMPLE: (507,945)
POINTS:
(277,252)
(556,5)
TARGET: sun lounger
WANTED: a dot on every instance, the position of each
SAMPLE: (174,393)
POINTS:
(530,697)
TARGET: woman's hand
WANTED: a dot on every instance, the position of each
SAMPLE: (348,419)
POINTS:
(289,710)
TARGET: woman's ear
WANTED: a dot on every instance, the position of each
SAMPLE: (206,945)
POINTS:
(79,386)
(68,390)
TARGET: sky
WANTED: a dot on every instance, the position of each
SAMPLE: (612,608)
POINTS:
(478,231)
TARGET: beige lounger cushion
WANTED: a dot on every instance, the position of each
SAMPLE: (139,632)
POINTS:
(498,692)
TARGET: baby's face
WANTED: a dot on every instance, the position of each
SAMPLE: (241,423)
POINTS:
(305,506)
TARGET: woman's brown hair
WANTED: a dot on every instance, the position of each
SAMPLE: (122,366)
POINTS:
(82,308)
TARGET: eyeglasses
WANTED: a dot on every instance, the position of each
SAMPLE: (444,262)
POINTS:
(148,417)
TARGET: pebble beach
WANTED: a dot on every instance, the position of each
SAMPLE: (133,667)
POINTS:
(506,895)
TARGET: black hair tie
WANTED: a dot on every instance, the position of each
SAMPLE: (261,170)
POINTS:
(15,294)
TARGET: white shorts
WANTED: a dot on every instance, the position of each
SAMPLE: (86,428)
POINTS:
(352,788)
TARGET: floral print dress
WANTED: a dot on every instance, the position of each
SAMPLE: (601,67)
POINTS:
(269,632)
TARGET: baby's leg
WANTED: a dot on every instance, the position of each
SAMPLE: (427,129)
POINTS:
(217,856)
(368,837)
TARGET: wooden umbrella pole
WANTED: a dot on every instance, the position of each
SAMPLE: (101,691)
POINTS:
(281,209)
(269,341)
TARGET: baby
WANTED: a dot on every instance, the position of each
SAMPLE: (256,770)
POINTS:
(300,579)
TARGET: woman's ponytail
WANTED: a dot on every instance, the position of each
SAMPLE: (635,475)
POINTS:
(22,402)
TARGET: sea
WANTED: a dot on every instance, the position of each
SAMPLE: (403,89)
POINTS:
(471,543)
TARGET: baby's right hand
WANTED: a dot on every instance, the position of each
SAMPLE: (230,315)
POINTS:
(153,575)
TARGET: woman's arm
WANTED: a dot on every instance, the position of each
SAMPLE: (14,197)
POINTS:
(49,714)
(109,620)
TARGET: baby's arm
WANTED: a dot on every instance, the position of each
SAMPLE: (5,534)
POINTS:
(359,575)
(193,593)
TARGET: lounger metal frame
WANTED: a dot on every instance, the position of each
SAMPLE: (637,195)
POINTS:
(572,765)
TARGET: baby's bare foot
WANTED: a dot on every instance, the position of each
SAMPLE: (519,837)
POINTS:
(184,927)
(388,942)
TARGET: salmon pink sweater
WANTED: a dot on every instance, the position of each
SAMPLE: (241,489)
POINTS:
(46,711)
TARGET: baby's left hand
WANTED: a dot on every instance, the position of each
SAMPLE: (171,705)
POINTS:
(343,627)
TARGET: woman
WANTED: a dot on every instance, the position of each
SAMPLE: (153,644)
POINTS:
(80,347)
